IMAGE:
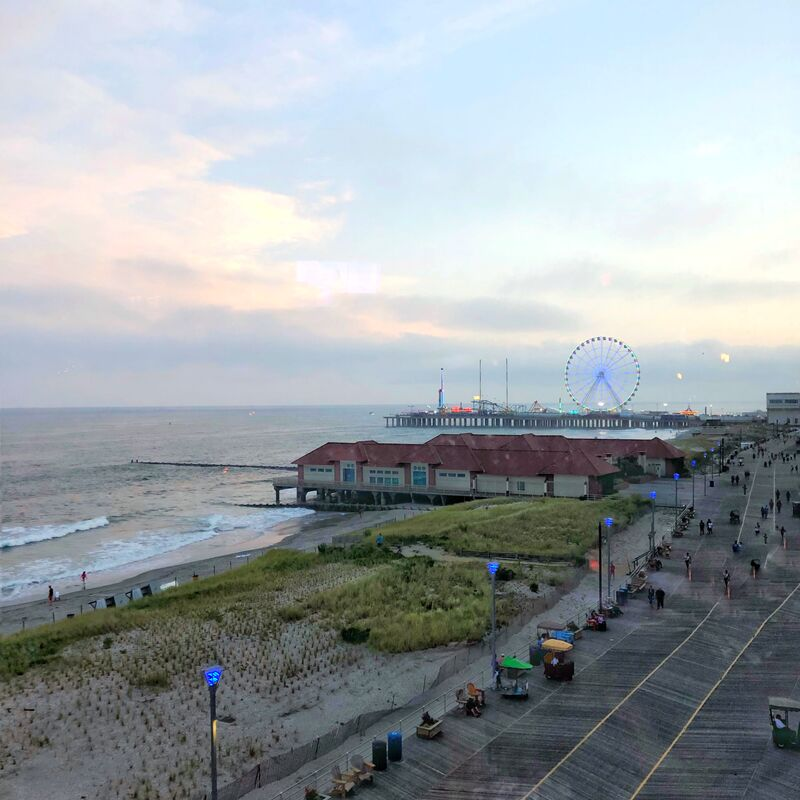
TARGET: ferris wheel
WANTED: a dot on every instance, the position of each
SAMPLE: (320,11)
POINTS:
(602,374)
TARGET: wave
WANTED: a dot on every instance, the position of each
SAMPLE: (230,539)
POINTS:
(18,536)
(144,545)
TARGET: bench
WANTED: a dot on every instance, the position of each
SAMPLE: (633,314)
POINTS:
(429,731)
(637,583)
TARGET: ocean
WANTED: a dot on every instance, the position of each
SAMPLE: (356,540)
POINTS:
(72,499)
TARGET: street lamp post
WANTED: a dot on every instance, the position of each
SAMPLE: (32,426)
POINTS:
(677,477)
(599,566)
(212,676)
(652,523)
(609,522)
(711,481)
(704,472)
(493,566)
(694,464)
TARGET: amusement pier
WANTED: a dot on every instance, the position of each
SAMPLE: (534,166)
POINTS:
(478,418)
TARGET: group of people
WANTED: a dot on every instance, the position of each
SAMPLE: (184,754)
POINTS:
(596,621)
(706,526)
(655,595)
(53,595)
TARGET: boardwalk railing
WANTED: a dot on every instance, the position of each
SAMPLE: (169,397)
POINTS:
(443,704)
(277,767)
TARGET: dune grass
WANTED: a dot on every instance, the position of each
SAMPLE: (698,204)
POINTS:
(211,600)
(414,604)
(551,528)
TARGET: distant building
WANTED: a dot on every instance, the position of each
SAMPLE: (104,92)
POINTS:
(465,465)
(783,408)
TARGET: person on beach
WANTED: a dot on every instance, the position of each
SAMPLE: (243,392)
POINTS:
(50,595)
(83,578)
(660,595)
(651,594)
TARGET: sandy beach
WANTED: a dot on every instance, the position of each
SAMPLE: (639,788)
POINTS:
(303,533)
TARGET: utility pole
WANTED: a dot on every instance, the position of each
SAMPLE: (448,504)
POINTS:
(506,384)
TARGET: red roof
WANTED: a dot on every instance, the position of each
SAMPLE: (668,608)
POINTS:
(335,451)
(653,448)
(516,455)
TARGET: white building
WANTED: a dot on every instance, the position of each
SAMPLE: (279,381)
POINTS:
(783,408)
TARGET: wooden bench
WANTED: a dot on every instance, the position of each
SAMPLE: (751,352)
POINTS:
(429,731)
(637,583)
(342,789)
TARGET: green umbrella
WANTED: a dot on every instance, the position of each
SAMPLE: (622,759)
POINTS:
(514,663)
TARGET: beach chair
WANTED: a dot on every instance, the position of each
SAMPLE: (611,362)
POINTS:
(342,784)
(362,771)
(461,699)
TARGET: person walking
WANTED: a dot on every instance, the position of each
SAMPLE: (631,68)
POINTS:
(688,561)
(765,535)
(726,579)
(783,536)
(702,527)
(778,506)
(660,595)
(651,594)
(709,527)
(771,504)
(50,595)
(83,579)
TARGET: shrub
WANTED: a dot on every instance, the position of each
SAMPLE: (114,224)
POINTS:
(505,574)
(355,635)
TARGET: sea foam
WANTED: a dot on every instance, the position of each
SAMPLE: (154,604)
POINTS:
(20,535)
(144,545)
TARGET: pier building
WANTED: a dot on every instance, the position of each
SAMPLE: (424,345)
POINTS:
(465,465)
(783,408)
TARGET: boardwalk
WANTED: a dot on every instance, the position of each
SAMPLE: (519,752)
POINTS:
(667,704)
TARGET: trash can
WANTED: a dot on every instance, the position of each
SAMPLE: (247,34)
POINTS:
(379,754)
(395,746)
(622,596)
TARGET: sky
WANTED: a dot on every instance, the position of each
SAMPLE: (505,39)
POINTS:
(258,203)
